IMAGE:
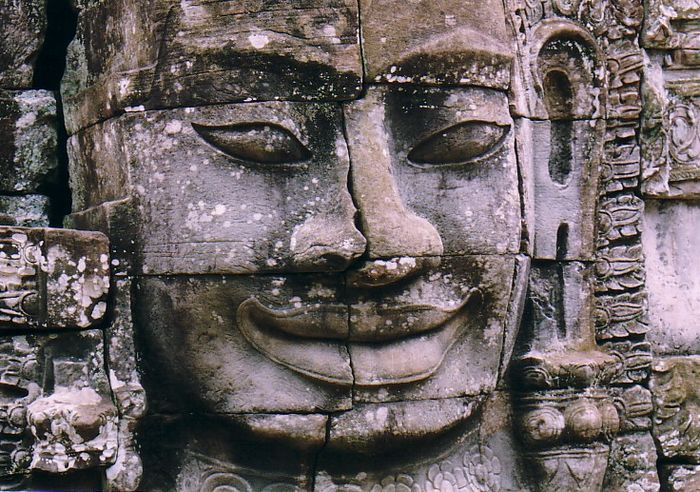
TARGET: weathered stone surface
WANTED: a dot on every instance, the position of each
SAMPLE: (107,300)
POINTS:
(632,465)
(74,422)
(22,24)
(195,454)
(559,308)
(24,211)
(677,478)
(28,140)
(438,162)
(210,197)
(565,189)
(201,472)
(52,278)
(74,429)
(381,427)
(674,385)
(559,69)
(635,360)
(226,205)
(57,413)
(462,458)
(301,327)
(634,405)
(125,384)
(121,354)
(577,468)
(202,360)
(620,169)
(326,289)
(670,243)
(565,418)
(619,218)
(671,24)
(455,43)
(169,54)
(622,315)
(21,382)
(126,471)
(619,268)
(437,362)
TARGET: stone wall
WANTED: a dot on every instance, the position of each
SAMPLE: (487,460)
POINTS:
(349,245)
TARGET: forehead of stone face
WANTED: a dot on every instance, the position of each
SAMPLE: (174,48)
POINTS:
(172,53)
(436,42)
(294,50)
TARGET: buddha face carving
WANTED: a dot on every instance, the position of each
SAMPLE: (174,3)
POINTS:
(377,262)
(300,256)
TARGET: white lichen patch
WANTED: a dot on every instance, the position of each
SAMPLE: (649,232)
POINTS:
(76,287)
(172,127)
(258,41)
(219,210)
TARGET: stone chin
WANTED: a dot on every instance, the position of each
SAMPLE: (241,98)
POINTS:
(367,429)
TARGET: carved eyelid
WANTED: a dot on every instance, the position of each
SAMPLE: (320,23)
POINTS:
(461,143)
(256,142)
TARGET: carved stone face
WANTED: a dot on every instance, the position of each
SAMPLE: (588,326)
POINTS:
(312,257)
(377,264)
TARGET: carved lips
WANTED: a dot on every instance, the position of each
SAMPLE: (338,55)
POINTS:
(386,344)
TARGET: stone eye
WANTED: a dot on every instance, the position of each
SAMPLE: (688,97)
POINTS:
(459,144)
(263,143)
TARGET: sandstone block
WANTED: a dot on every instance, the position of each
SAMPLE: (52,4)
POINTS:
(28,140)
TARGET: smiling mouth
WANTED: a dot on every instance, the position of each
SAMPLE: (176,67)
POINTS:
(386,344)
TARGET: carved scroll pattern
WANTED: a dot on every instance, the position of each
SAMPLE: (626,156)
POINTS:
(671,24)
(19,267)
(671,140)
(478,470)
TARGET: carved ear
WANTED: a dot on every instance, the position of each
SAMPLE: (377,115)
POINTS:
(259,142)
(458,144)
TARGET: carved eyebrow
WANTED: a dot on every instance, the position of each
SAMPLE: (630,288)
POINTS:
(259,142)
(460,143)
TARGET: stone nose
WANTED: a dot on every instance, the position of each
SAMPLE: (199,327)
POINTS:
(391,229)
(327,242)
